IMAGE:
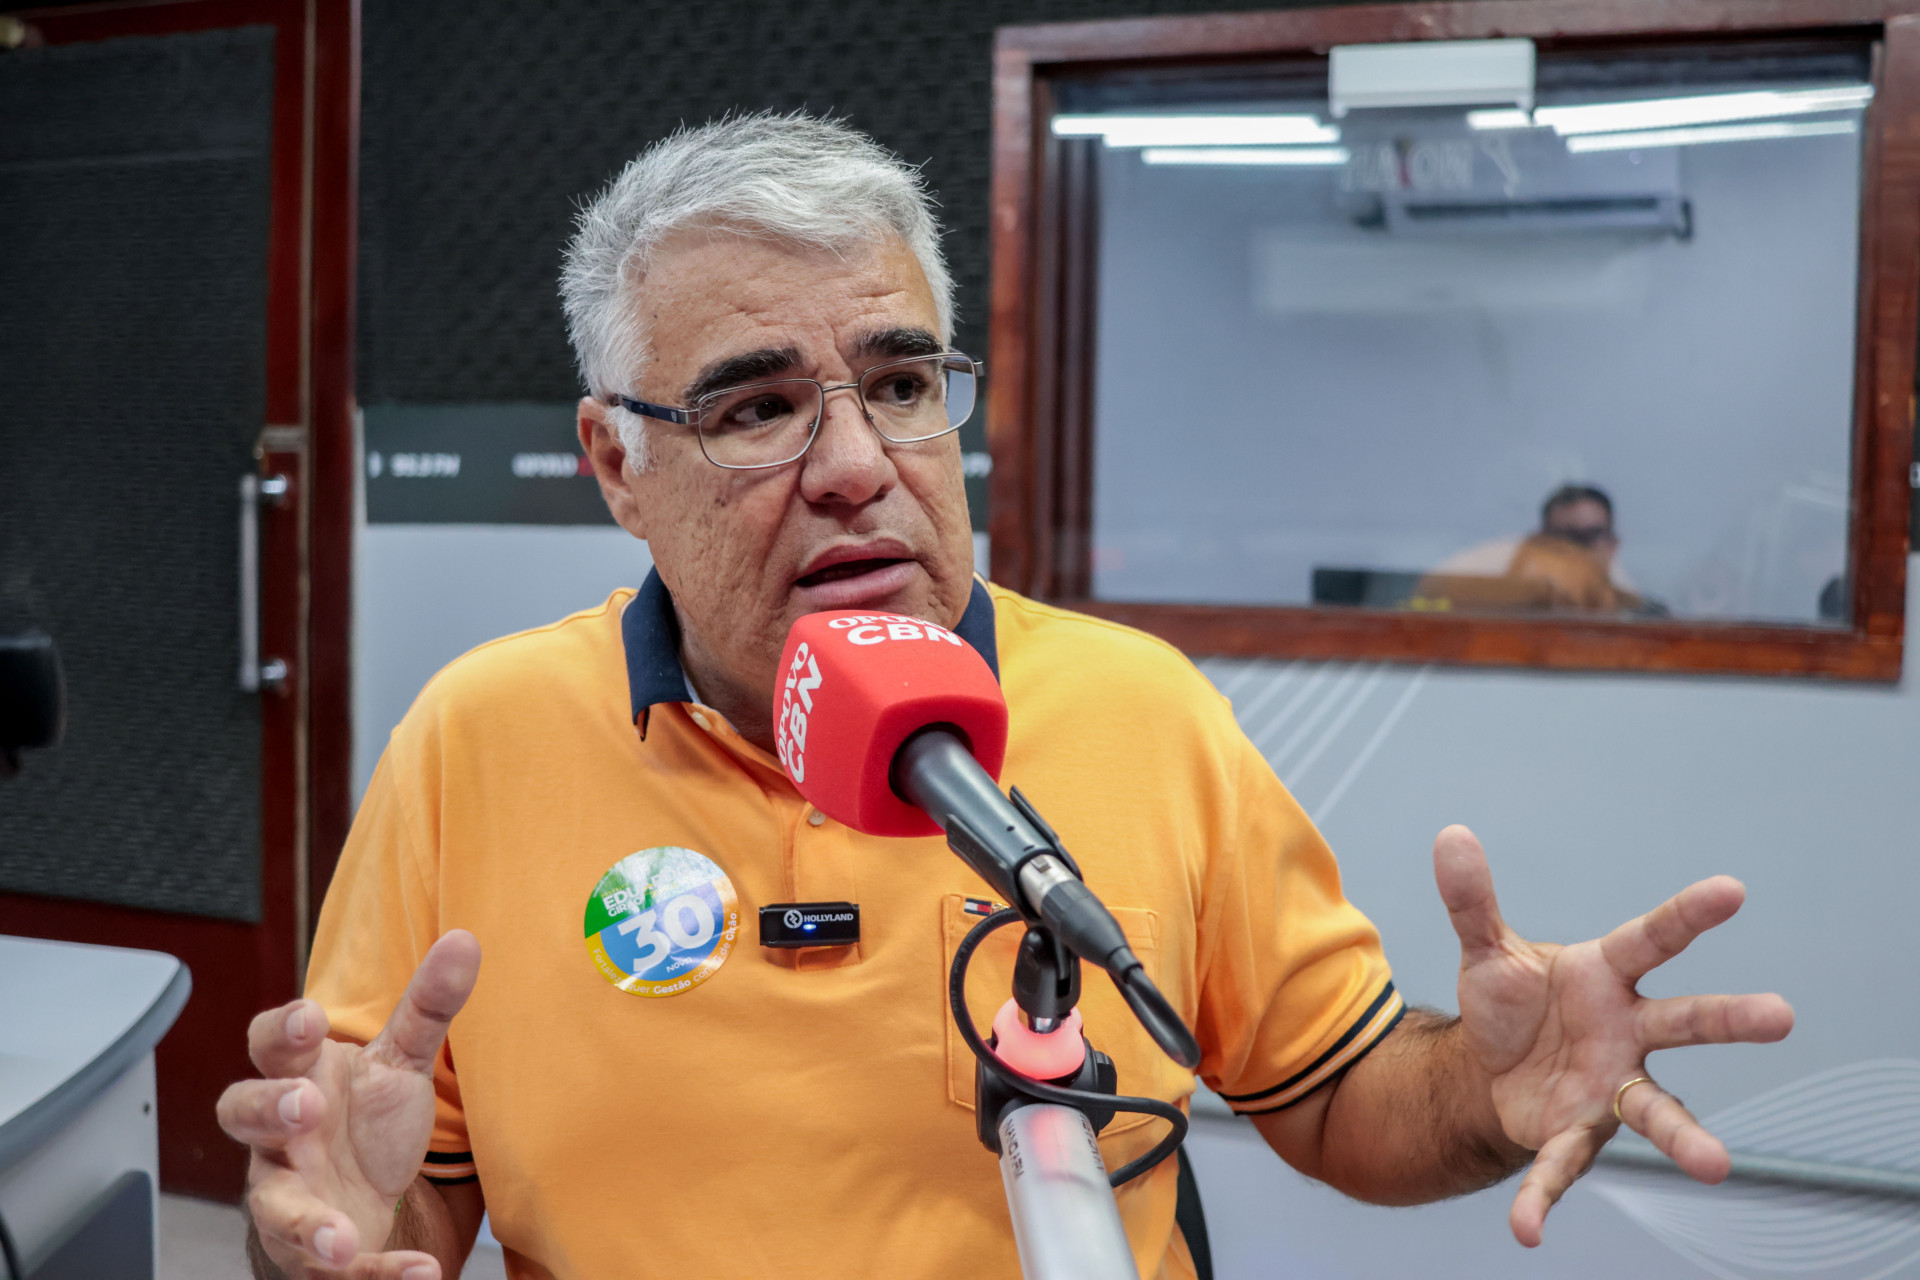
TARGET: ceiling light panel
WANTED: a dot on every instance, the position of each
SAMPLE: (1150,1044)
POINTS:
(1499,118)
(1667,113)
(1197,131)
(1758,131)
(1303,156)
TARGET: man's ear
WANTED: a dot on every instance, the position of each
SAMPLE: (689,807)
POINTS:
(601,444)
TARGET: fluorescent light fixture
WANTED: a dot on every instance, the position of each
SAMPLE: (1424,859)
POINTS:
(1499,118)
(1713,108)
(1196,131)
(1755,132)
(1246,155)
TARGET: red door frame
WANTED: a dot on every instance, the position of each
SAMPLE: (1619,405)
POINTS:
(306,573)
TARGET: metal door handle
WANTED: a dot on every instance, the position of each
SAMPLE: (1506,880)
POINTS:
(255,490)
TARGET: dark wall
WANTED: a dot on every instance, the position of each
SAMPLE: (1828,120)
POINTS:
(484,121)
(134,215)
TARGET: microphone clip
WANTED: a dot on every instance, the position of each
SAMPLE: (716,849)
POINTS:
(1047,833)
(1046,987)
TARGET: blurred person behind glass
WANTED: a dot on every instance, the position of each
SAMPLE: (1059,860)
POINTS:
(1569,565)
(1572,576)
(1578,513)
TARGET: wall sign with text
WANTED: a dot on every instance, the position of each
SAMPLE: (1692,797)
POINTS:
(506,464)
(477,464)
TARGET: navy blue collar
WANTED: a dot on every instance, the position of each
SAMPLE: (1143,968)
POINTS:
(651,633)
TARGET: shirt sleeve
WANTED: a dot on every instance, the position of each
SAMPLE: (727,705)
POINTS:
(380,916)
(1294,986)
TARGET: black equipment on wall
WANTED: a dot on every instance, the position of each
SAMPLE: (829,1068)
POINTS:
(33,697)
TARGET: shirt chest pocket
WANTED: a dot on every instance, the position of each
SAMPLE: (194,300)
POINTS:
(1110,1025)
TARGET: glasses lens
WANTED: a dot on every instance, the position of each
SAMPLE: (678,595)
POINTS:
(919,399)
(760,425)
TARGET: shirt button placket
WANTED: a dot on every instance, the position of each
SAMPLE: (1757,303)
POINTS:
(822,861)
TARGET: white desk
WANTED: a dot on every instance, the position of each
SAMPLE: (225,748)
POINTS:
(77,1111)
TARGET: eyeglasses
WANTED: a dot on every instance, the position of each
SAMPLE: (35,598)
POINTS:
(1589,537)
(769,424)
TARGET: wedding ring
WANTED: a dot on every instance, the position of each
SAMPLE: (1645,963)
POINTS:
(1621,1092)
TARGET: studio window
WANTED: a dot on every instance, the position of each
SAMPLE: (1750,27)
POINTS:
(1537,346)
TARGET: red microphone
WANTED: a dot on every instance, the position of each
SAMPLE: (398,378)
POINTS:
(854,687)
(896,727)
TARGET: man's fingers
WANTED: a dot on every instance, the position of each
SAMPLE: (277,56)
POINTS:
(293,1222)
(270,1113)
(290,1218)
(1687,1020)
(286,1042)
(1661,1119)
(1558,1165)
(406,1265)
(440,986)
(1466,886)
(1644,944)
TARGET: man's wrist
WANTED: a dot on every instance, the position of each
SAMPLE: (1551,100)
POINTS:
(1482,1152)
(264,1267)
(409,1226)
(389,1234)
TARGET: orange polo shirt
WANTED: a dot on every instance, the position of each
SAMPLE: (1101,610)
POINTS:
(642,1089)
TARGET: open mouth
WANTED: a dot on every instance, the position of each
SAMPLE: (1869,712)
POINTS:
(847,569)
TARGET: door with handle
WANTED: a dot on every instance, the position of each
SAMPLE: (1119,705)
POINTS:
(175,304)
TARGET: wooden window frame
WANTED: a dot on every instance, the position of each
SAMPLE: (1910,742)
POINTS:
(1040,425)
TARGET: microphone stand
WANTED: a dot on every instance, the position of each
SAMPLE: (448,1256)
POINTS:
(1066,1222)
(1039,1106)
(1041,1091)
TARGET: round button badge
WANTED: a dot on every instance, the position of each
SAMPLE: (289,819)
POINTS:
(662,921)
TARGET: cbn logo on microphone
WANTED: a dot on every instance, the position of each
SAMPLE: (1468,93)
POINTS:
(803,678)
(870,628)
(796,704)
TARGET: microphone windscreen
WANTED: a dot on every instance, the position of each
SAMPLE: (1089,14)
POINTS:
(855,686)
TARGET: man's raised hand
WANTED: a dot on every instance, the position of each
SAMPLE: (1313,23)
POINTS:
(338,1131)
(1561,1028)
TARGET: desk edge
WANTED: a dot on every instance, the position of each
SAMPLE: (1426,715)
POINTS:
(21,1136)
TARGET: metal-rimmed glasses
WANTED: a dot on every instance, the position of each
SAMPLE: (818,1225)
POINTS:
(769,424)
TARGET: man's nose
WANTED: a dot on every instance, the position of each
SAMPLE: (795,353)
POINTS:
(848,462)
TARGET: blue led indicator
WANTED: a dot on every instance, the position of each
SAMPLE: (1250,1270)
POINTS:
(807,928)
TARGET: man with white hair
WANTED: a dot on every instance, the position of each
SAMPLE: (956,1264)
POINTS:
(762,318)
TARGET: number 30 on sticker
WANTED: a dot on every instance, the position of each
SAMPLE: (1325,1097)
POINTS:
(661,921)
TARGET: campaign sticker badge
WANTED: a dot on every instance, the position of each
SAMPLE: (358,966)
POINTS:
(662,921)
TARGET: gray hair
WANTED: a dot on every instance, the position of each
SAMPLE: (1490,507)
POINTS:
(809,181)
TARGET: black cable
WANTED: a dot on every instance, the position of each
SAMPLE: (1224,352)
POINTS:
(14,1270)
(1192,1219)
(1040,1089)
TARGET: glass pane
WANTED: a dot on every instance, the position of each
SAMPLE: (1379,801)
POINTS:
(1594,360)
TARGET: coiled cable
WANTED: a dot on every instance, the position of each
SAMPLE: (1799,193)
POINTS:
(1041,1090)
